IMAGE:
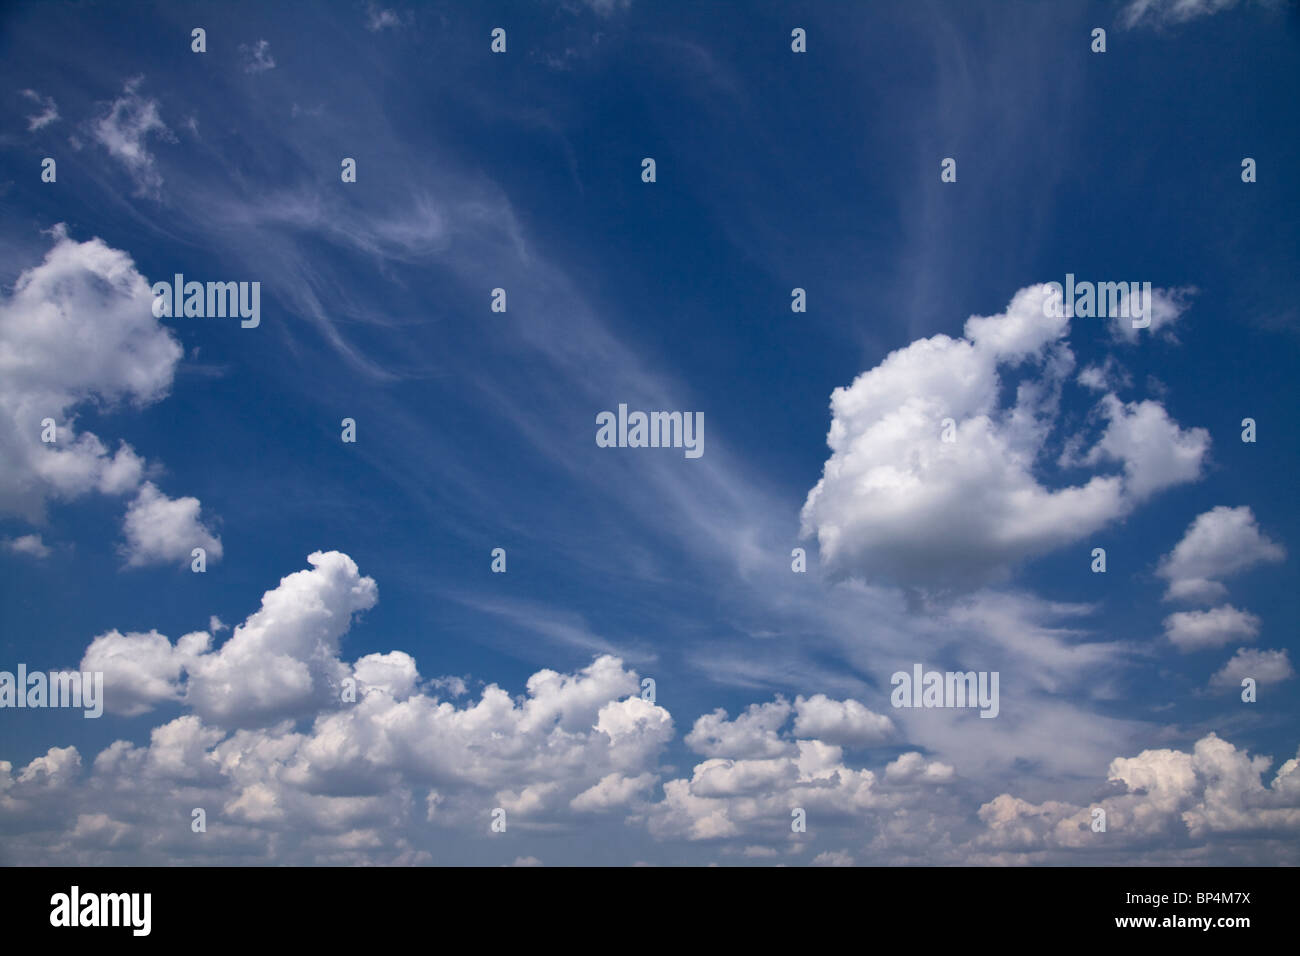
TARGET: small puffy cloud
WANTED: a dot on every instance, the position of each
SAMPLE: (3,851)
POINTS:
(1265,667)
(1109,376)
(1199,630)
(1166,307)
(377,18)
(453,686)
(752,734)
(526,861)
(612,791)
(1217,544)
(257,57)
(843,722)
(1154,452)
(47,111)
(124,130)
(393,673)
(897,502)
(30,545)
(740,793)
(914,768)
(162,530)
(141,671)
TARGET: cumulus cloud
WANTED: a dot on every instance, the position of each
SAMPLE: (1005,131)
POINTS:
(1109,376)
(756,775)
(1264,667)
(1217,544)
(1165,794)
(899,503)
(912,767)
(574,743)
(30,545)
(78,329)
(1154,452)
(393,673)
(1167,306)
(124,130)
(612,791)
(141,671)
(843,722)
(291,771)
(280,663)
(753,733)
(1198,630)
(161,530)
(283,661)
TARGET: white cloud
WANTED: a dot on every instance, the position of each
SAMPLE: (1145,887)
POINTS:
(843,722)
(914,768)
(257,58)
(833,858)
(30,545)
(283,661)
(364,781)
(1109,376)
(752,734)
(898,503)
(162,530)
(141,671)
(1217,544)
(377,18)
(1198,630)
(1166,308)
(612,791)
(607,8)
(124,130)
(1154,451)
(1265,667)
(279,663)
(345,788)
(1216,789)
(77,328)
(49,111)
(754,776)
(393,673)
(1163,12)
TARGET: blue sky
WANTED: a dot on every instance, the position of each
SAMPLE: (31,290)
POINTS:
(476,430)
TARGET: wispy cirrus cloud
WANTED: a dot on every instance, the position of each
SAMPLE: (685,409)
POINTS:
(124,129)
(48,111)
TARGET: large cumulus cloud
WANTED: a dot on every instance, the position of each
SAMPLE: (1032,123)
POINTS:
(897,502)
